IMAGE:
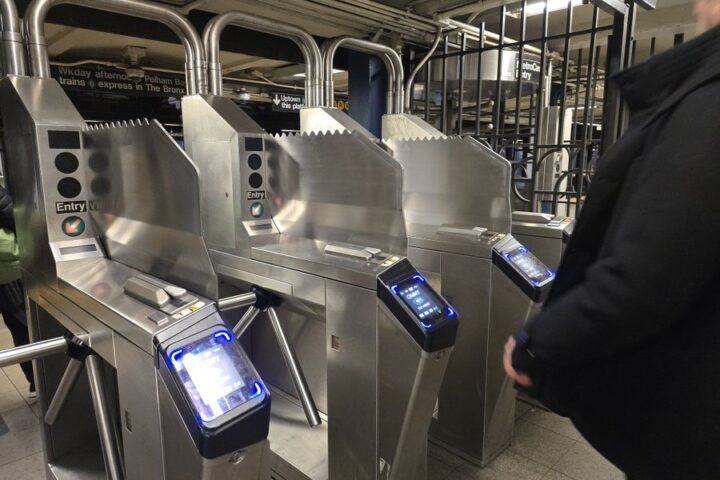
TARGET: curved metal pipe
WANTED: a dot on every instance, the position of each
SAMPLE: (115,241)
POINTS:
(306,43)
(391,59)
(421,64)
(12,40)
(195,66)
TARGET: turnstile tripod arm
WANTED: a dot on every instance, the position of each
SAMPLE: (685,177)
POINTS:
(247,319)
(296,373)
(237,301)
(108,438)
(69,378)
(32,351)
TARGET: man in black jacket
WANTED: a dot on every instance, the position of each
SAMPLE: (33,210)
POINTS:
(628,343)
(12,296)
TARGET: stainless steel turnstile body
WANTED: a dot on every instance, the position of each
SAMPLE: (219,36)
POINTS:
(96,208)
(544,234)
(458,217)
(457,207)
(317,220)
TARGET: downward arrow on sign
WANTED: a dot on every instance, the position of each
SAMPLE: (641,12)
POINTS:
(73,227)
(276,100)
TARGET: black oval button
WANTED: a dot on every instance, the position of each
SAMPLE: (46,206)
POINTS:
(254,161)
(98,162)
(100,186)
(69,187)
(256,180)
(66,162)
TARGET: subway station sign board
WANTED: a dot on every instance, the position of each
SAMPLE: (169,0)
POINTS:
(111,80)
(293,102)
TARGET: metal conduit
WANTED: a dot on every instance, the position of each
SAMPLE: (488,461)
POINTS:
(306,43)
(195,66)
(391,59)
(418,67)
(13,51)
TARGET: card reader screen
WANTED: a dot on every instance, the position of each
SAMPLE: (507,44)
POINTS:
(529,264)
(215,375)
(421,299)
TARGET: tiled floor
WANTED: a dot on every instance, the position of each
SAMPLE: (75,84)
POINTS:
(546,447)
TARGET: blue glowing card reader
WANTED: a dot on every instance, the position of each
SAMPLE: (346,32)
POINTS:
(220,396)
(530,274)
(426,315)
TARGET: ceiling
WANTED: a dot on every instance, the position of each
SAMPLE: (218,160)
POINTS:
(392,21)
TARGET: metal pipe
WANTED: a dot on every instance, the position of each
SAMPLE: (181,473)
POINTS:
(13,50)
(245,321)
(32,351)
(72,373)
(308,46)
(296,372)
(391,59)
(195,66)
(411,79)
(106,429)
(236,301)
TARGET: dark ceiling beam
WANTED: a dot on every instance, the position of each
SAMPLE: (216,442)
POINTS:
(234,39)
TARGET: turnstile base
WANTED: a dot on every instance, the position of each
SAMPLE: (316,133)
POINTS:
(298,451)
(475,460)
(85,463)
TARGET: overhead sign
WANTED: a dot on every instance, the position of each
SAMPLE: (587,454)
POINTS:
(530,71)
(287,102)
(293,103)
(114,80)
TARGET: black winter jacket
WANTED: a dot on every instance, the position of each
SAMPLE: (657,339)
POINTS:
(628,344)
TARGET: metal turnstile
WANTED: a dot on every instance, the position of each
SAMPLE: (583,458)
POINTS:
(121,292)
(544,234)
(458,220)
(313,226)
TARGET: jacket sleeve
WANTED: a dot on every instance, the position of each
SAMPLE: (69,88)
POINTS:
(7,216)
(661,260)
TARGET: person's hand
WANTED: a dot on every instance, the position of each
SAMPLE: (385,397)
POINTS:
(519,377)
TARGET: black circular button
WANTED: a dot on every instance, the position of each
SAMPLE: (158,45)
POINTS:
(100,186)
(98,162)
(69,187)
(256,180)
(66,162)
(255,161)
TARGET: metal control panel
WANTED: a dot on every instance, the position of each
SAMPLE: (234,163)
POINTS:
(253,180)
(67,204)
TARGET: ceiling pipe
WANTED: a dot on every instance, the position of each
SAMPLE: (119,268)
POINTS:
(391,59)
(308,46)
(195,66)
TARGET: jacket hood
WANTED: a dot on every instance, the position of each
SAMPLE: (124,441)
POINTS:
(685,67)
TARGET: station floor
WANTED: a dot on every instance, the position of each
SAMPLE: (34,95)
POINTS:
(546,447)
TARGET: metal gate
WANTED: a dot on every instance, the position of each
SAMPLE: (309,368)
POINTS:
(533,84)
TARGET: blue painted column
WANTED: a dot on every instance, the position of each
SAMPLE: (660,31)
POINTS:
(367,85)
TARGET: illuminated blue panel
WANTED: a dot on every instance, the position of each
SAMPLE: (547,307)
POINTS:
(529,265)
(215,375)
(422,301)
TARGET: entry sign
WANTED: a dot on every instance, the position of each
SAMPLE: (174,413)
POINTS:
(287,102)
(73,226)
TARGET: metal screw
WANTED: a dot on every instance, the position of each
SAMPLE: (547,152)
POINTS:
(237,457)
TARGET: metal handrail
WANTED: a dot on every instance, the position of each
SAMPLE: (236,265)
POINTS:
(195,66)
(391,59)
(306,43)
(13,50)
